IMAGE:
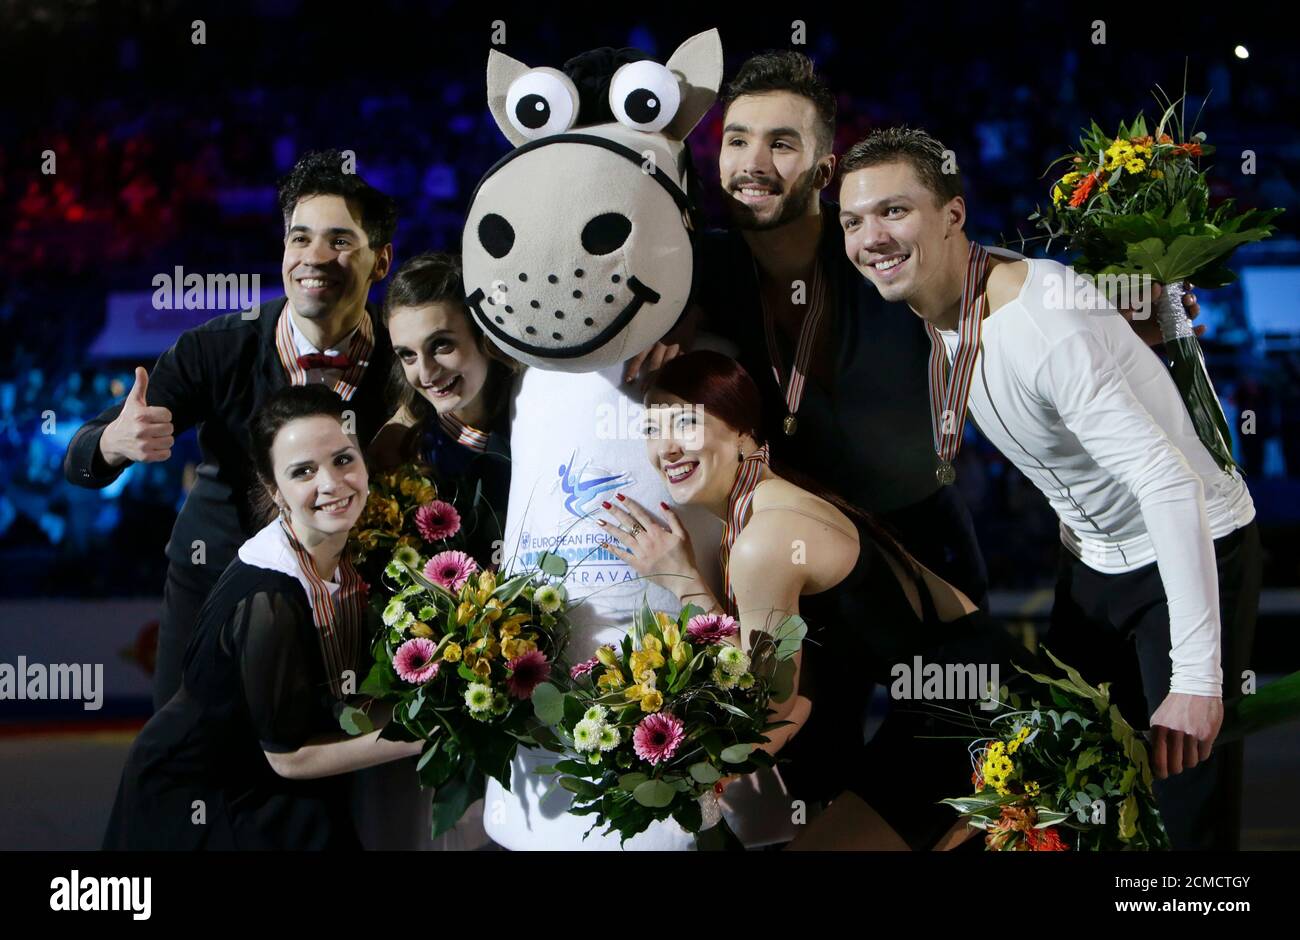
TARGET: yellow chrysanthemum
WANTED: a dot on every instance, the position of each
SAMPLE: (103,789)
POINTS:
(1136,165)
(1069,179)
(1032,788)
(1157,174)
(1058,196)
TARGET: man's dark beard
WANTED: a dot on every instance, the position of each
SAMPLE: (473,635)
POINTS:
(798,198)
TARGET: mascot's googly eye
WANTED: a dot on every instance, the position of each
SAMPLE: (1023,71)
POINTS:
(644,95)
(542,102)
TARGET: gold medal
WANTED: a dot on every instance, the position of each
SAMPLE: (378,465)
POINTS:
(790,425)
(945,473)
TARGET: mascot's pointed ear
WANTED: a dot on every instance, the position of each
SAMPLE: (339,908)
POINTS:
(698,65)
(502,70)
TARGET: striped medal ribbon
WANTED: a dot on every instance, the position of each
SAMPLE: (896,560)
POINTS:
(794,388)
(338,625)
(359,350)
(738,502)
(950,389)
(463,434)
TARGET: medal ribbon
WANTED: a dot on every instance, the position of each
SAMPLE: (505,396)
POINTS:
(793,390)
(338,626)
(359,350)
(950,391)
(738,502)
(463,434)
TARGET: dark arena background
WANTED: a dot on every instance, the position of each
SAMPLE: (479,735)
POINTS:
(129,149)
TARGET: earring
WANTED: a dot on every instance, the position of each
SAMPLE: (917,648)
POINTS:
(740,458)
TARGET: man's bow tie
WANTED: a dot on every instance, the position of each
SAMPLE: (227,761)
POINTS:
(323,361)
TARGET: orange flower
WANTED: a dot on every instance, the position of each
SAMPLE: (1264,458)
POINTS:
(1191,150)
(1084,189)
(1045,840)
(1144,141)
(1166,139)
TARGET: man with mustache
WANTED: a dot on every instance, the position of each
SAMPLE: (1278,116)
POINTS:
(338,233)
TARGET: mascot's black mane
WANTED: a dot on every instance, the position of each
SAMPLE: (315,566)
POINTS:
(591,72)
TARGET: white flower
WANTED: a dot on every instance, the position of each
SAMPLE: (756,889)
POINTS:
(721,679)
(478,696)
(393,612)
(406,555)
(595,713)
(609,737)
(586,735)
(746,681)
(549,597)
(733,660)
(500,704)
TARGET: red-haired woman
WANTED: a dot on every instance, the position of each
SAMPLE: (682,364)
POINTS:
(788,549)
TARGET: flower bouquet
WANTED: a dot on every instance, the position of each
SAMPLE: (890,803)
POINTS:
(1137,205)
(403,511)
(458,655)
(1076,775)
(1071,776)
(650,728)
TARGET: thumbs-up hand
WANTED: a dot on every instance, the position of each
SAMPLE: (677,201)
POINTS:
(142,432)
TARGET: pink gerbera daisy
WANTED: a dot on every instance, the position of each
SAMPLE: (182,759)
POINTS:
(583,668)
(527,672)
(414,661)
(450,569)
(707,629)
(657,737)
(437,521)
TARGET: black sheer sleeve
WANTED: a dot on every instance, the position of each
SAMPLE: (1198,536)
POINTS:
(279,669)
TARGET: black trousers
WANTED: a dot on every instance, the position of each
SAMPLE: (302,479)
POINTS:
(940,534)
(184,592)
(1115,628)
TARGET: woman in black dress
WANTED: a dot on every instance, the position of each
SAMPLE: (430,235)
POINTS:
(791,548)
(451,389)
(248,754)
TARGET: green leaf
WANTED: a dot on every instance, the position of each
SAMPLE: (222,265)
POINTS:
(454,797)
(1089,757)
(655,794)
(631,781)
(554,565)
(354,721)
(789,636)
(583,788)
(737,753)
(548,704)
(705,773)
(1128,814)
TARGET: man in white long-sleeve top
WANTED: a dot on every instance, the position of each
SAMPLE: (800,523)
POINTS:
(1159,582)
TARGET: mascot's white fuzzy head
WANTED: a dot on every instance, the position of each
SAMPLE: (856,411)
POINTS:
(578,244)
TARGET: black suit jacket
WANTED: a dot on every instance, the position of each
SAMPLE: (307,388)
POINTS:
(867,437)
(216,377)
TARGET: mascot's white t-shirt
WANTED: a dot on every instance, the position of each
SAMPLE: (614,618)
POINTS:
(574,443)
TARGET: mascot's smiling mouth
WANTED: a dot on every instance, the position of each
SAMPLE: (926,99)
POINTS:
(641,294)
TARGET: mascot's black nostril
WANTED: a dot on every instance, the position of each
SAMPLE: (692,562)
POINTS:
(606,233)
(496,235)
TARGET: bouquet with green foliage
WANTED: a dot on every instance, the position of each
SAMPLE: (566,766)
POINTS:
(650,729)
(458,657)
(1075,775)
(1137,205)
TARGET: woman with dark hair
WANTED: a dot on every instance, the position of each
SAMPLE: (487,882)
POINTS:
(789,548)
(450,388)
(248,753)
